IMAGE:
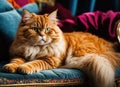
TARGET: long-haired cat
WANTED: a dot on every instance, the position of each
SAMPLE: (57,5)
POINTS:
(40,44)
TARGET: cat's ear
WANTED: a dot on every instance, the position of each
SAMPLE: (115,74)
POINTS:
(26,15)
(53,16)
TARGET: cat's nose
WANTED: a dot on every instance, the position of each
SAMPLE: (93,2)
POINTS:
(41,34)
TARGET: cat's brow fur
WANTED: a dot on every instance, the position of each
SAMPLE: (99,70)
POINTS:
(40,44)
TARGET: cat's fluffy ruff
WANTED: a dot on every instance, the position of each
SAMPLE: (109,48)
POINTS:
(84,51)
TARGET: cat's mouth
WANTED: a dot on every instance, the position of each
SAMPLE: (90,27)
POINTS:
(42,41)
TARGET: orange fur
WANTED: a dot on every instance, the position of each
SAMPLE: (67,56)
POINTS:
(40,45)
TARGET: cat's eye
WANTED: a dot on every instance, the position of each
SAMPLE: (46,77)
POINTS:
(47,30)
(35,29)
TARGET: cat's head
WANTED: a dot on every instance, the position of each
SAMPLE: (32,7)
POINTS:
(39,29)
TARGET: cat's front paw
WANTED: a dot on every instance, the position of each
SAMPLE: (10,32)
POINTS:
(23,69)
(11,68)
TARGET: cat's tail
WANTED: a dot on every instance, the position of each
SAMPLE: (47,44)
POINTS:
(98,68)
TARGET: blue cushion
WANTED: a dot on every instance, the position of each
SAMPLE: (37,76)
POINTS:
(59,75)
(9,22)
(5,6)
(32,7)
(46,77)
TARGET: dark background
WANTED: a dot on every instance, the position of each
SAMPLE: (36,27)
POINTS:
(85,5)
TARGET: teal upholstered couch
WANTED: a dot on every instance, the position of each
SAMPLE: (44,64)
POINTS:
(9,20)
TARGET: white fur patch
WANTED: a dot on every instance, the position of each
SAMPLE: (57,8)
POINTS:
(59,48)
(31,52)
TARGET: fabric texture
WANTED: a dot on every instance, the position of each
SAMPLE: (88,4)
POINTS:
(53,76)
(59,75)
(20,3)
(32,7)
(9,22)
(5,6)
(102,24)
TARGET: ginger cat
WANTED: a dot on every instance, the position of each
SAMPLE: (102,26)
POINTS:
(40,44)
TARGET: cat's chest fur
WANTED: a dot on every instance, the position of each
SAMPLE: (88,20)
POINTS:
(32,53)
(35,52)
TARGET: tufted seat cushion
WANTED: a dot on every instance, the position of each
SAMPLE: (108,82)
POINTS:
(53,77)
